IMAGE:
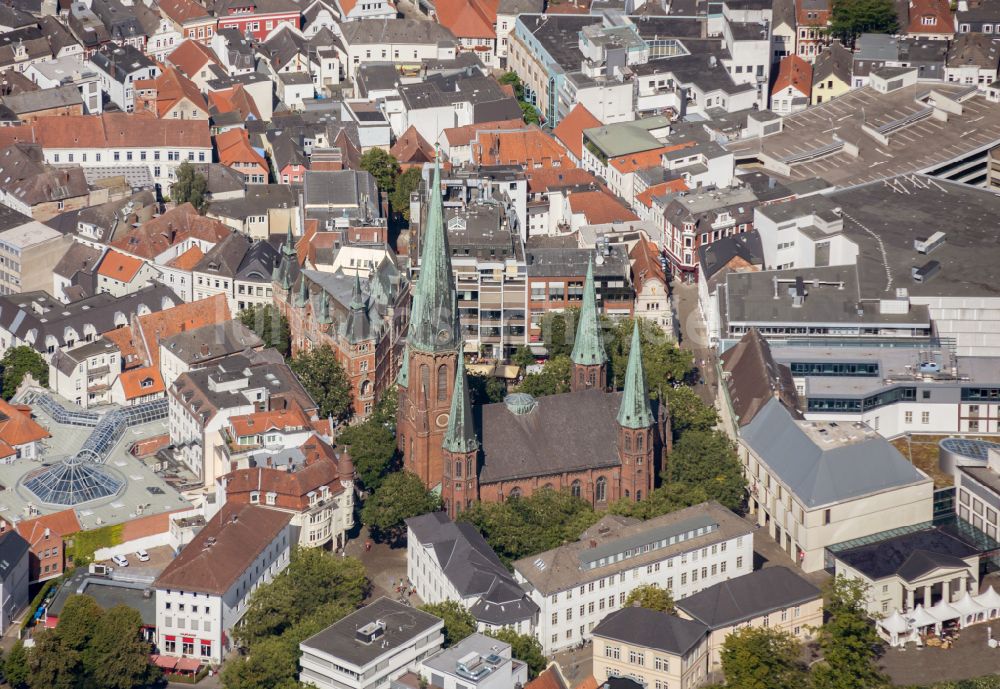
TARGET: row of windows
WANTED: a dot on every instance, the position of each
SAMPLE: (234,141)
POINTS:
(130,156)
(819,368)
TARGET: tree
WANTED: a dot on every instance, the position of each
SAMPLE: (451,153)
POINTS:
(762,658)
(458,622)
(688,411)
(553,379)
(78,622)
(271,664)
(315,582)
(52,664)
(190,187)
(708,459)
(118,656)
(383,167)
(558,330)
(486,389)
(19,361)
(372,449)
(847,641)
(529,113)
(663,361)
(512,79)
(270,326)
(402,495)
(523,647)
(523,357)
(15,666)
(651,596)
(851,18)
(324,379)
(519,527)
(386,408)
(406,184)
(666,498)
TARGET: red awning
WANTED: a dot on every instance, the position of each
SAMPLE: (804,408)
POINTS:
(188,665)
(187,639)
(170,637)
(166,662)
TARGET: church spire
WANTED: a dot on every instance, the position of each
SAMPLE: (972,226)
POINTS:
(288,248)
(434,315)
(460,437)
(635,411)
(357,325)
(357,297)
(588,349)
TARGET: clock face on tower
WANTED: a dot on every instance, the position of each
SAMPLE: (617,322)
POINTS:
(442,420)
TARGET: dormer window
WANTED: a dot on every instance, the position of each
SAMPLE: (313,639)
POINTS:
(146,383)
(271,498)
(928,21)
(255,497)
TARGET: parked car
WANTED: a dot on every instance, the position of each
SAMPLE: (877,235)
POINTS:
(120,560)
(142,555)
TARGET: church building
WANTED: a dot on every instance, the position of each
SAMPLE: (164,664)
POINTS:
(598,443)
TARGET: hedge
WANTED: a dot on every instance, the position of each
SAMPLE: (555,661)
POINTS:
(82,544)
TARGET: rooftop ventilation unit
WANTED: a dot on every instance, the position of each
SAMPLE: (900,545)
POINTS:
(370,632)
(926,246)
(925,272)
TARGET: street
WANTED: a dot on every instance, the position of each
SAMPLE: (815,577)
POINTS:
(693,336)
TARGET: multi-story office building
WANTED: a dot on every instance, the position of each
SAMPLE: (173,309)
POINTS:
(576,585)
(29,252)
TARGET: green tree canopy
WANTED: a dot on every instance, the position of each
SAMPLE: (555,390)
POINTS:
(529,113)
(458,622)
(270,325)
(651,596)
(402,495)
(553,379)
(406,184)
(525,648)
(762,658)
(512,79)
(372,449)
(688,411)
(663,361)
(314,581)
(15,666)
(519,527)
(383,167)
(325,380)
(272,663)
(523,357)
(18,361)
(665,498)
(190,187)
(558,331)
(848,642)
(118,656)
(851,18)
(708,459)
(486,389)
(386,408)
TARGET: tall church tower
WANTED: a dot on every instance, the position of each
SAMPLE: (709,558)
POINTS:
(460,484)
(427,377)
(636,428)
(590,361)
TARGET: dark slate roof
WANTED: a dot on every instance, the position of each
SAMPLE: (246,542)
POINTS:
(225,258)
(12,549)
(744,598)
(473,569)
(829,473)
(714,256)
(258,263)
(754,377)
(909,555)
(652,629)
(538,443)
(211,342)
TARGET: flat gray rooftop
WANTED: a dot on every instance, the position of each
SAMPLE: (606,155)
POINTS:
(918,147)
(142,485)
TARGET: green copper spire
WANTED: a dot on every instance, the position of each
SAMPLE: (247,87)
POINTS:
(434,316)
(357,296)
(588,349)
(322,311)
(357,327)
(288,248)
(460,436)
(635,411)
(302,298)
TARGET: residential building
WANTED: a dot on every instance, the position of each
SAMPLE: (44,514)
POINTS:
(46,536)
(406,43)
(652,648)
(370,647)
(265,209)
(478,659)
(205,591)
(792,90)
(119,67)
(171,95)
(652,287)
(71,69)
(215,273)
(775,597)
(811,19)
(318,491)
(812,484)
(973,59)
(20,435)
(576,585)
(929,18)
(831,73)
(199,347)
(190,19)
(38,190)
(235,152)
(252,282)
(119,274)
(86,373)
(29,252)
(446,560)
(256,18)
(14,574)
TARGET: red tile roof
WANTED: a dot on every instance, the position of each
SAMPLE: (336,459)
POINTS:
(17,428)
(411,147)
(807,16)
(645,257)
(224,549)
(235,99)
(140,382)
(234,148)
(663,188)
(463,136)
(59,524)
(529,147)
(187,260)
(548,679)
(569,131)
(600,207)
(182,11)
(173,227)
(795,72)
(172,87)
(109,130)
(191,57)
(547,178)
(118,266)
(938,12)
(645,159)
(468,18)
(292,418)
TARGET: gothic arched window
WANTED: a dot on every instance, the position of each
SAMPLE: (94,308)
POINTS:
(601,489)
(442,382)
(574,489)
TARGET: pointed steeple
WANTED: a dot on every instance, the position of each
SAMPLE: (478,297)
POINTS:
(357,326)
(357,296)
(434,315)
(635,411)
(288,248)
(322,310)
(460,436)
(302,297)
(588,349)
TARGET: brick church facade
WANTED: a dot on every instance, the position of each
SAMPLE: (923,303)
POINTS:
(601,445)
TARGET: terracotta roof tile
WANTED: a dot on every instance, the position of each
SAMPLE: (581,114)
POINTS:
(109,130)
(411,147)
(529,147)
(239,534)
(18,428)
(60,524)
(173,227)
(936,11)
(468,18)
(600,207)
(171,88)
(140,382)
(118,266)
(122,339)
(463,136)
(548,679)
(182,11)
(544,179)
(292,418)
(646,264)
(191,57)
(234,149)
(187,260)
(569,131)
(645,159)
(796,72)
(661,189)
